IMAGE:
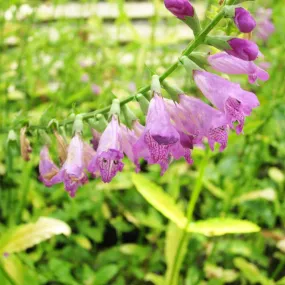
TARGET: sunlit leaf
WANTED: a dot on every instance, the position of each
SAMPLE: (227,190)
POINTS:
(266,194)
(28,235)
(160,200)
(155,279)
(276,174)
(105,274)
(215,272)
(251,272)
(222,226)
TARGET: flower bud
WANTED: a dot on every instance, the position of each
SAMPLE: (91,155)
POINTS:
(243,49)
(25,145)
(61,147)
(244,20)
(180,8)
(184,11)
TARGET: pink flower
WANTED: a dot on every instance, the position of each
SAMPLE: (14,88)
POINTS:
(160,140)
(72,172)
(196,120)
(95,139)
(107,160)
(226,63)
(85,78)
(243,49)
(243,20)
(47,168)
(129,138)
(227,96)
(265,28)
(96,90)
(180,8)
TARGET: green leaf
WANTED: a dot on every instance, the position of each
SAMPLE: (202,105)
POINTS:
(165,205)
(266,194)
(155,279)
(222,226)
(25,236)
(251,272)
(281,281)
(160,200)
(213,271)
(105,274)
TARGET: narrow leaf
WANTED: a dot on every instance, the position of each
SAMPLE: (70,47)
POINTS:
(222,226)
(160,200)
(25,236)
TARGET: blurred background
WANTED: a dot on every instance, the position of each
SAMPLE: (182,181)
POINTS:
(58,57)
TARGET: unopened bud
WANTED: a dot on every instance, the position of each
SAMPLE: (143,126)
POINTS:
(25,144)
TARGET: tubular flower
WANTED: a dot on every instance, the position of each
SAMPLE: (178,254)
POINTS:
(72,172)
(243,49)
(244,20)
(95,139)
(265,28)
(226,63)
(227,96)
(199,120)
(129,138)
(180,8)
(160,140)
(47,168)
(107,161)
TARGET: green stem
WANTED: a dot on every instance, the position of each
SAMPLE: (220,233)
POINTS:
(191,206)
(200,39)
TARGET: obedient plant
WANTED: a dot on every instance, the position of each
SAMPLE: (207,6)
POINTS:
(172,129)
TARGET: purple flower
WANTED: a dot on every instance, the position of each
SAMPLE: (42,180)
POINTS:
(227,96)
(88,154)
(196,119)
(96,90)
(95,139)
(265,28)
(85,78)
(107,160)
(180,8)
(129,138)
(47,167)
(226,63)
(72,172)
(244,20)
(132,86)
(243,49)
(160,140)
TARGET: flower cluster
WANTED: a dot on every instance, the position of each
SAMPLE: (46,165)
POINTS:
(173,127)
